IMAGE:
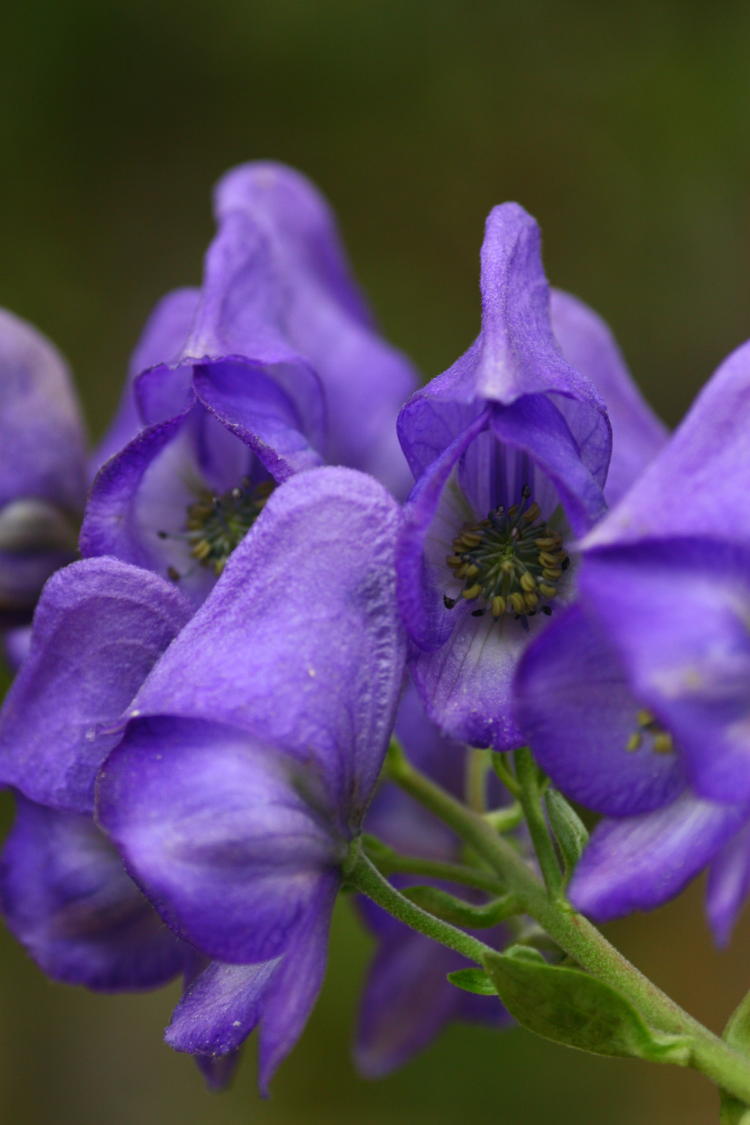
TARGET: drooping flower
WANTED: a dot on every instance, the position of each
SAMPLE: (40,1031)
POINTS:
(510,449)
(253,752)
(98,629)
(42,465)
(636,701)
(271,367)
(407,998)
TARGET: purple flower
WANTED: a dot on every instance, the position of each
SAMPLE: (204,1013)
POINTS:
(98,629)
(407,999)
(271,367)
(636,701)
(510,449)
(253,752)
(43,465)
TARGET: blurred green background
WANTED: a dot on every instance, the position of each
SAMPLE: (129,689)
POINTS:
(625,129)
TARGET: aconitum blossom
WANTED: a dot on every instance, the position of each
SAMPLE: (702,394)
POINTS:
(510,450)
(407,999)
(98,629)
(252,754)
(636,701)
(271,367)
(42,465)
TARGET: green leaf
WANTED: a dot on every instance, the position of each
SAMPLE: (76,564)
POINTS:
(570,831)
(473,980)
(733,1112)
(458,911)
(574,1008)
(737,1034)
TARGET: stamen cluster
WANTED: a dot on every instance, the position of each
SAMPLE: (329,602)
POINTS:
(510,561)
(217,524)
(649,728)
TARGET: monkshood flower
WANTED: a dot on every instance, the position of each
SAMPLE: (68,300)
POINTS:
(271,367)
(99,627)
(252,754)
(42,465)
(510,449)
(407,999)
(636,701)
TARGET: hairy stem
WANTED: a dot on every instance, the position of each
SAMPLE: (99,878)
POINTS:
(727,1067)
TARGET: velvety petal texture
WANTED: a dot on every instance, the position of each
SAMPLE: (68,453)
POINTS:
(576,707)
(252,754)
(67,898)
(680,619)
(640,862)
(99,628)
(43,464)
(305,612)
(698,485)
(589,346)
(365,380)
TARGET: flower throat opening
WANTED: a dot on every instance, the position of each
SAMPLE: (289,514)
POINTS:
(215,525)
(510,562)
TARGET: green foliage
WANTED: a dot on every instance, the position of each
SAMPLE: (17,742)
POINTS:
(570,832)
(575,1009)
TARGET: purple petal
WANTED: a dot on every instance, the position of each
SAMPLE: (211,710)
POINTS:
(516,355)
(728,885)
(296,985)
(588,344)
(164,333)
(99,627)
(407,1002)
(220,1008)
(67,898)
(577,711)
(642,861)
(42,434)
(139,502)
(300,641)
(220,831)
(239,323)
(677,611)
(699,483)
(365,379)
(466,685)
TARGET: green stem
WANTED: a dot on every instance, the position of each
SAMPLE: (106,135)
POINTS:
(362,874)
(477,765)
(390,862)
(531,803)
(728,1068)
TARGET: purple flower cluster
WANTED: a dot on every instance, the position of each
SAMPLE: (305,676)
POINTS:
(202,708)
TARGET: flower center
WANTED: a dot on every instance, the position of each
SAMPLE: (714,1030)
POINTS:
(216,524)
(510,562)
(649,727)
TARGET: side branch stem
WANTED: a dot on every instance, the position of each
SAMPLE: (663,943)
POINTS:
(729,1069)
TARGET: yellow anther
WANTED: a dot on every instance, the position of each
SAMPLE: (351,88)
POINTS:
(454,560)
(498,606)
(547,559)
(527,582)
(532,513)
(662,743)
(644,718)
(472,592)
(547,591)
(531,601)
(471,571)
(546,542)
(470,538)
(634,742)
(517,602)
(552,574)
